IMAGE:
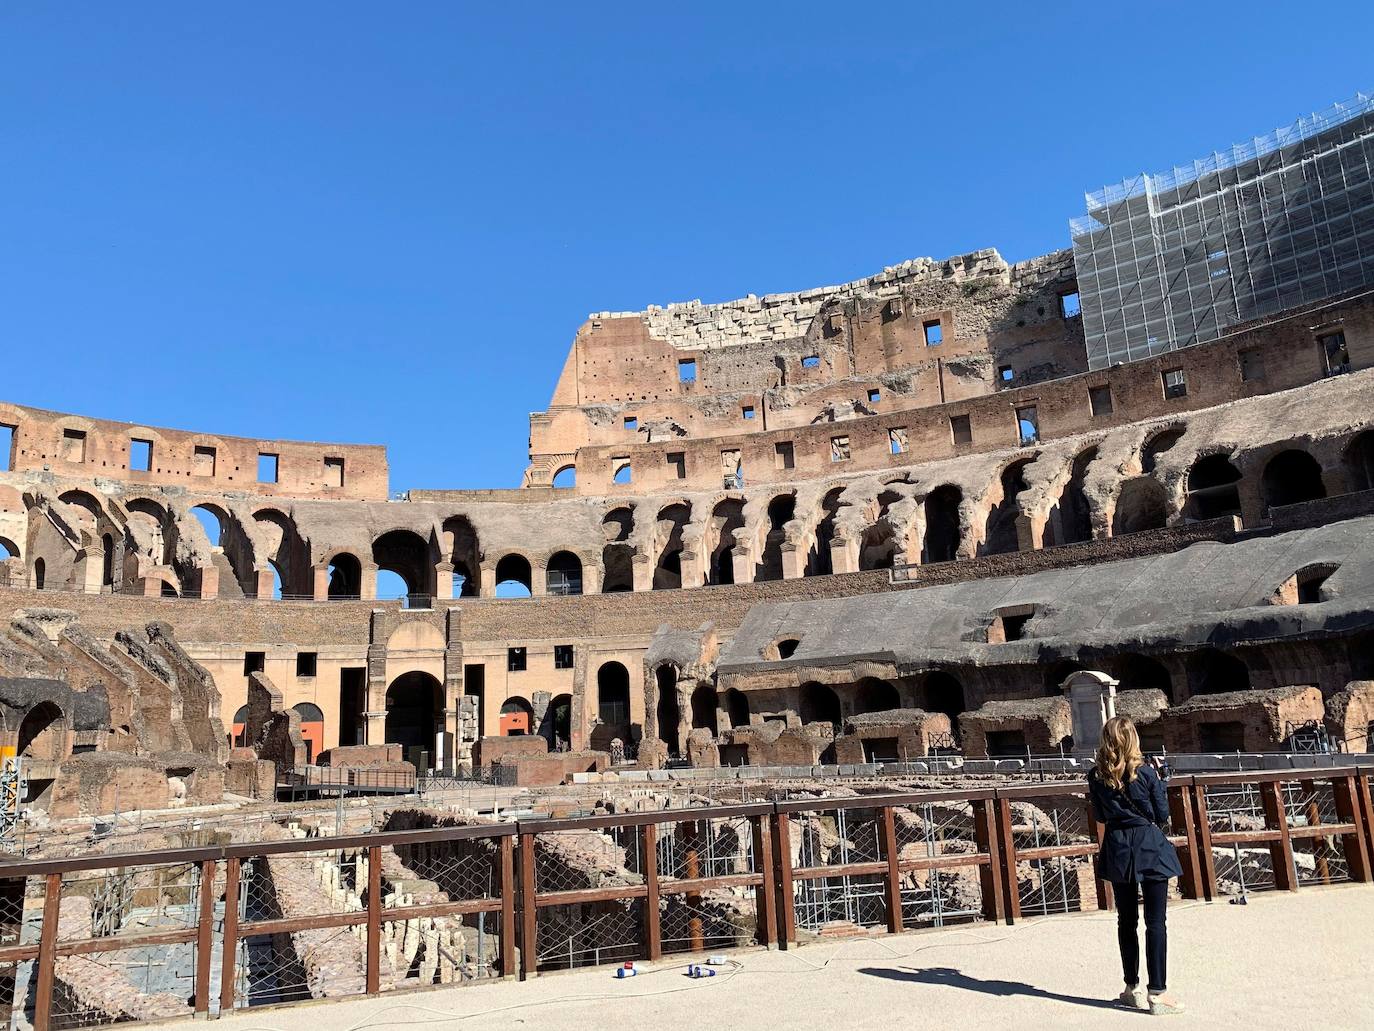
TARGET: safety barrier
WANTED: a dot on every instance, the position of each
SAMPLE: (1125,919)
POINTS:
(103,939)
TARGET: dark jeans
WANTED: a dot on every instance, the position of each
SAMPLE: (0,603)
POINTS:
(1156,936)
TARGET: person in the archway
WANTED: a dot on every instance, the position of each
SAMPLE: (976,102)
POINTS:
(1136,857)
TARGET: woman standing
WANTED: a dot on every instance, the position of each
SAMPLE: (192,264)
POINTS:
(1128,797)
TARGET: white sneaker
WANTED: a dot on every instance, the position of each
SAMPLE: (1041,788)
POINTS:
(1162,1006)
(1133,999)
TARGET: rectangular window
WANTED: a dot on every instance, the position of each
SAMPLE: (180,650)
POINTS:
(254,662)
(620,469)
(677,464)
(204,462)
(934,333)
(1251,364)
(687,370)
(839,449)
(6,448)
(747,411)
(306,663)
(562,656)
(1100,400)
(140,455)
(515,660)
(631,422)
(1028,424)
(74,445)
(1069,305)
(333,472)
(897,440)
(1175,384)
(1334,353)
(1005,373)
(267,468)
(811,361)
(874,395)
(783,457)
(960,429)
(732,470)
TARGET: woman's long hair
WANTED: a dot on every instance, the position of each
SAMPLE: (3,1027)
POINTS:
(1118,753)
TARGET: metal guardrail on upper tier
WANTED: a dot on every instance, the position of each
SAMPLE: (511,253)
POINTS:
(211,930)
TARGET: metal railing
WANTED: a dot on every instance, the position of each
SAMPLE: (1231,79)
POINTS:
(211,930)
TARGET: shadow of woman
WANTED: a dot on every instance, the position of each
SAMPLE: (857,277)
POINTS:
(953,978)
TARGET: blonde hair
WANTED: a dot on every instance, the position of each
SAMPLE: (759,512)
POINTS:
(1118,753)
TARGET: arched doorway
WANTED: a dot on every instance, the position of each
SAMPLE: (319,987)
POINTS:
(943,693)
(513,577)
(672,521)
(704,709)
(564,574)
(1140,672)
(1212,490)
(1001,534)
(1359,461)
(612,705)
(668,712)
(345,577)
(1290,478)
(40,573)
(818,704)
(1140,505)
(737,707)
(1214,672)
(312,728)
(874,695)
(944,529)
(819,560)
(1075,513)
(557,724)
(410,557)
(517,715)
(414,717)
(43,733)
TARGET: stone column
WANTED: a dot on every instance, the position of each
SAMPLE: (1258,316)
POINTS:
(368,587)
(488,576)
(209,582)
(844,556)
(539,579)
(792,561)
(263,583)
(321,590)
(375,730)
(443,581)
(591,577)
(643,567)
(744,573)
(1092,701)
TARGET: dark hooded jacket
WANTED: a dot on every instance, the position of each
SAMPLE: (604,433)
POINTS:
(1134,847)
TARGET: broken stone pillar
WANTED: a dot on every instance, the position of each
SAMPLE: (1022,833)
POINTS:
(208,577)
(643,568)
(488,575)
(792,561)
(1092,702)
(321,588)
(539,579)
(443,581)
(264,583)
(369,584)
(843,555)
(741,563)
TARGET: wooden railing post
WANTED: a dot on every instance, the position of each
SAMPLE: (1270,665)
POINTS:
(893,884)
(990,875)
(1281,850)
(1102,887)
(1364,799)
(766,896)
(205,935)
(508,906)
(47,952)
(1207,864)
(653,932)
(782,852)
(1346,793)
(229,946)
(374,919)
(1010,886)
(1182,818)
(528,923)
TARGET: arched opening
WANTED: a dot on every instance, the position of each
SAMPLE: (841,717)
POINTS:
(787,647)
(517,717)
(345,576)
(737,707)
(818,559)
(617,556)
(1075,514)
(212,523)
(878,545)
(1055,675)
(668,712)
(1359,461)
(464,551)
(1141,673)
(942,692)
(107,560)
(818,704)
(414,715)
(410,557)
(276,579)
(557,725)
(391,586)
(312,728)
(283,549)
(1141,505)
(1157,444)
(726,520)
(1214,672)
(565,478)
(168,590)
(1212,490)
(704,709)
(672,520)
(564,574)
(1290,478)
(43,733)
(8,549)
(513,578)
(944,530)
(874,695)
(85,510)
(1001,535)
(781,510)
(238,729)
(40,573)
(613,698)
(147,528)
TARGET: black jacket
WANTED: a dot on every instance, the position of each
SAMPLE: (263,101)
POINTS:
(1134,848)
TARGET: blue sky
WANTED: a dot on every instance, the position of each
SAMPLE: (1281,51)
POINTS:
(384,223)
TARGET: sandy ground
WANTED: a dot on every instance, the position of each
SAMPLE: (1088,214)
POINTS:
(1292,961)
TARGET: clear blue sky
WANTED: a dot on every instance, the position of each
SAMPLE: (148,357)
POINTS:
(384,222)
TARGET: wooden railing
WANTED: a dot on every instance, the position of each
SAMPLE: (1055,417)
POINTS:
(277,921)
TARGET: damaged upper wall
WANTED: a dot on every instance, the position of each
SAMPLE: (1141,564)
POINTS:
(74,445)
(921,333)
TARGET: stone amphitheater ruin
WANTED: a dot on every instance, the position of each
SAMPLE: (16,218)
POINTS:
(788,551)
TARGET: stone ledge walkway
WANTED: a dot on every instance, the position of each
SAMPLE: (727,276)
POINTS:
(1302,960)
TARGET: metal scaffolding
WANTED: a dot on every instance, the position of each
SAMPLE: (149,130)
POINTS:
(1174,259)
